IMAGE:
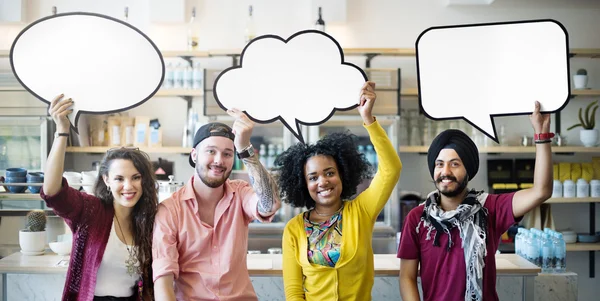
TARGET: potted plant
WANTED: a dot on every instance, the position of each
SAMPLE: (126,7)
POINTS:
(588,135)
(32,239)
(580,79)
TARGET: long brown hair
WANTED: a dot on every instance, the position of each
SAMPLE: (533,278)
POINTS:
(143,212)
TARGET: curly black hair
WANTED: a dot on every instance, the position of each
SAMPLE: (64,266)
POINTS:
(353,167)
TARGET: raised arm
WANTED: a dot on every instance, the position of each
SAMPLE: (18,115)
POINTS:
(59,109)
(527,199)
(261,180)
(374,198)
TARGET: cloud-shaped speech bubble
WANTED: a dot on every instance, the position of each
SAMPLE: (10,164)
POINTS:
(301,80)
(105,65)
(497,69)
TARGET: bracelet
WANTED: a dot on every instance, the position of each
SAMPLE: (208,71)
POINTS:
(543,136)
(543,141)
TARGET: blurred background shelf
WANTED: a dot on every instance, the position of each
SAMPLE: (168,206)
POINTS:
(156,150)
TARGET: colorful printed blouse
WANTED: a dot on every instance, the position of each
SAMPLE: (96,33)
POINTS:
(324,239)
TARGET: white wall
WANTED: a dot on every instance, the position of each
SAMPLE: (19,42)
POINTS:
(370,23)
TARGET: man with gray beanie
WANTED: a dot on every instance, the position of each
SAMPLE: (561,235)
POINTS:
(200,236)
(454,235)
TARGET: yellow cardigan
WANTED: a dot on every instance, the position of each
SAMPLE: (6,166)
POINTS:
(353,276)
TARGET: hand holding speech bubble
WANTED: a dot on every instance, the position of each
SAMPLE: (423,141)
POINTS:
(480,71)
(299,80)
(104,64)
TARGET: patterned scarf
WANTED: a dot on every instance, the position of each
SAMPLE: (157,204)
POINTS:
(471,220)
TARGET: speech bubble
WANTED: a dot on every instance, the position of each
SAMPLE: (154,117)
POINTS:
(299,80)
(104,64)
(480,71)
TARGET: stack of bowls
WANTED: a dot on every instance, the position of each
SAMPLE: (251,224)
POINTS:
(16,175)
(73,178)
(35,177)
(88,178)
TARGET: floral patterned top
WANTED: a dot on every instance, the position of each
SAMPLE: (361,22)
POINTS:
(324,239)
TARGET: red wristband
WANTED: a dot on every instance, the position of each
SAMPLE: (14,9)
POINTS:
(543,136)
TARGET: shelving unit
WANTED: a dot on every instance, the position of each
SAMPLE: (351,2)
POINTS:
(510,149)
(103,149)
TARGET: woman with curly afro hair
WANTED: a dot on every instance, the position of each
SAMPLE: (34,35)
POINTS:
(327,250)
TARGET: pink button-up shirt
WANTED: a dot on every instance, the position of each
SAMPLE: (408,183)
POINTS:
(207,263)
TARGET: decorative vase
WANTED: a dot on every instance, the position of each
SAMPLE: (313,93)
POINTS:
(589,138)
(32,243)
(580,81)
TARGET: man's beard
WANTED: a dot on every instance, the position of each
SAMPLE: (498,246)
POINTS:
(211,182)
(461,187)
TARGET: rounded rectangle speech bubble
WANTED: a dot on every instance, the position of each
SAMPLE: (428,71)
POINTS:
(299,80)
(479,71)
(104,64)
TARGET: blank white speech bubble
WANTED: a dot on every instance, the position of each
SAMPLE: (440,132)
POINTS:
(479,71)
(301,80)
(105,65)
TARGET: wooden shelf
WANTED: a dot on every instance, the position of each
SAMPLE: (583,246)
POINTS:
(585,92)
(575,52)
(585,52)
(19,88)
(572,200)
(184,53)
(574,92)
(381,51)
(7,196)
(510,149)
(179,92)
(155,150)
(583,247)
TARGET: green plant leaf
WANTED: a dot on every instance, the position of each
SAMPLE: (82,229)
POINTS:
(593,117)
(574,126)
(581,118)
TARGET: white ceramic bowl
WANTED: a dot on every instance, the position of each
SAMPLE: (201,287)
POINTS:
(74,179)
(570,237)
(88,178)
(61,247)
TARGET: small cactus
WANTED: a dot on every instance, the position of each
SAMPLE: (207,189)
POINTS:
(581,72)
(36,221)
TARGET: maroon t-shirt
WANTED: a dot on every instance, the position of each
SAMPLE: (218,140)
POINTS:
(443,273)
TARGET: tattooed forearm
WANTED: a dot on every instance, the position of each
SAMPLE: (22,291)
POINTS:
(264,185)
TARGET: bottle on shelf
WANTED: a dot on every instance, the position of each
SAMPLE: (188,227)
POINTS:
(53,10)
(187,76)
(168,81)
(561,253)
(262,155)
(270,156)
(126,14)
(192,35)
(547,254)
(197,77)
(178,76)
(250,31)
(320,24)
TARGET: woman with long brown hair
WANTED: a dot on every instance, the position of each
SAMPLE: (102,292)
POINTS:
(111,257)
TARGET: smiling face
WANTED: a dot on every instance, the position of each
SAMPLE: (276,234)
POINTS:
(450,175)
(214,158)
(323,181)
(125,183)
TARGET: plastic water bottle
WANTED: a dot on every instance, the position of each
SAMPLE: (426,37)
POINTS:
(371,156)
(561,254)
(520,241)
(262,155)
(361,149)
(547,254)
(169,73)
(197,77)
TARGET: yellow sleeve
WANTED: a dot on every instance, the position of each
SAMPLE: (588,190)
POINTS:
(374,198)
(292,271)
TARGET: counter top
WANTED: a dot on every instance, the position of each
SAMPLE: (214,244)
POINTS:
(258,264)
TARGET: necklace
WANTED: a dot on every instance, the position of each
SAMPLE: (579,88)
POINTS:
(131,262)
(321,214)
